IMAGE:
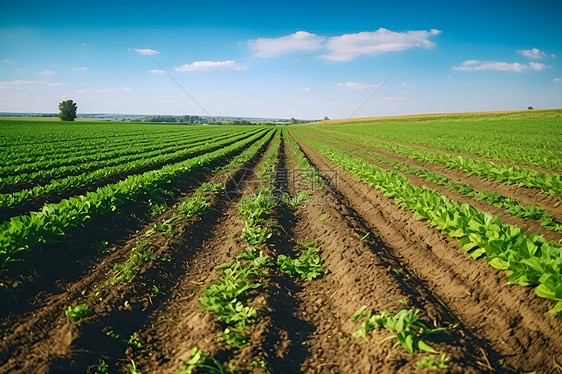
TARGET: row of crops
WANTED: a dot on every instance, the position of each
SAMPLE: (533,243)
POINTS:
(151,164)
(528,259)
(528,138)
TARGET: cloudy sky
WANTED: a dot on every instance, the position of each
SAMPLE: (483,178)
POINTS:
(303,59)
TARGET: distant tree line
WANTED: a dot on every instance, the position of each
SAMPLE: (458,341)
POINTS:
(176,119)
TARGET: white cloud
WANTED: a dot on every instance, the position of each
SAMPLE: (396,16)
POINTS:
(349,46)
(80,68)
(491,65)
(85,44)
(358,85)
(211,66)
(306,89)
(79,91)
(553,55)
(538,66)
(18,84)
(20,69)
(47,72)
(145,51)
(55,84)
(534,53)
(300,41)
(105,90)
(127,88)
(9,61)
(157,71)
(556,79)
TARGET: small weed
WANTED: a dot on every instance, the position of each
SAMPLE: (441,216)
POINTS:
(404,302)
(157,209)
(133,368)
(199,359)
(75,313)
(324,217)
(135,341)
(102,368)
(365,236)
(112,334)
(156,291)
(398,271)
(127,271)
(260,364)
(433,363)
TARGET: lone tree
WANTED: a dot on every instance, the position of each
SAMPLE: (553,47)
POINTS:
(67,110)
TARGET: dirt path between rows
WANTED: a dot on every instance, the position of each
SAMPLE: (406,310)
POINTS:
(512,319)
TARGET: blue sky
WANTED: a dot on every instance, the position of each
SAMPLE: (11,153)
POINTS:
(303,59)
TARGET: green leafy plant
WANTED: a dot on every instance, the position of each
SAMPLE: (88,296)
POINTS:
(135,341)
(434,363)
(234,338)
(192,206)
(157,209)
(324,217)
(260,364)
(112,334)
(133,369)
(126,272)
(409,331)
(198,359)
(309,265)
(300,199)
(102,368)
(77,312)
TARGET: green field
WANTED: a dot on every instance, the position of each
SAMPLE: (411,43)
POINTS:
(191,248)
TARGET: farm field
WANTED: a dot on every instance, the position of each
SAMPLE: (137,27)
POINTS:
(391,245)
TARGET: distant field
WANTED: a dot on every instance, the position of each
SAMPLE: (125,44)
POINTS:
(529,137)
(374,245)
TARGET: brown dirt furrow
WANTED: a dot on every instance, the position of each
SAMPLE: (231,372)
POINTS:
(511,318)
(273,338)
(358,274)
(525,195)
(530,226)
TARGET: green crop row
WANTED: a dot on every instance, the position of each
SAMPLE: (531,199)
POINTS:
(43,173)
(266,169)
(41,141)
(23,234)
(311,174)
(528,260)
(531,138)
(57,185)
(66,163)
(547,183)
(508,204)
